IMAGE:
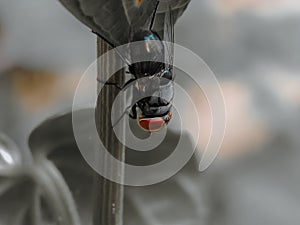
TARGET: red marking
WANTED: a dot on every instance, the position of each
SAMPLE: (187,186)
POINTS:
(171,115)
(152,124)
(139,2)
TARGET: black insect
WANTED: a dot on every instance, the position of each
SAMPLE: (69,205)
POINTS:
(153,111)
(152,78)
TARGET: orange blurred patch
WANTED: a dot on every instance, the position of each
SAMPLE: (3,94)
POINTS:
(244,130)
(34,89)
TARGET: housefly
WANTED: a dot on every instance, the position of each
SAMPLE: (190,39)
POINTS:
(154,111)
(107,20)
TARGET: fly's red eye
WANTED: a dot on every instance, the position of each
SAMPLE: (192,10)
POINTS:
(151,124)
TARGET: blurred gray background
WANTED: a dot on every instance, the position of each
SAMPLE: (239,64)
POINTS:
(253,48)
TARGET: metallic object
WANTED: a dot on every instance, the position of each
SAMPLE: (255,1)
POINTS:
(10,154)
(179,200)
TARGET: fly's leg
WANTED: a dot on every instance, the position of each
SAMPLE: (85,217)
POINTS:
(153,16)
(109,83)
(131,113)
(116,84)
(128,82)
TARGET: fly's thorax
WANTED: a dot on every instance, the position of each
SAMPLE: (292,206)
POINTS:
(148,48)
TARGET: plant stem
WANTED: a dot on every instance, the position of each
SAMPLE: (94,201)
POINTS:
(108,208)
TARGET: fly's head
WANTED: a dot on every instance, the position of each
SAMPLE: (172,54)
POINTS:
(153,124)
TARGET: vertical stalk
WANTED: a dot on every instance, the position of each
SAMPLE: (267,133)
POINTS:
(108,208)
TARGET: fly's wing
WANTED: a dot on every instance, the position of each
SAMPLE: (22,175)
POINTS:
(177,6)
(112,19)
(167,14)
(140,13)
(169,38)
(106,18)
